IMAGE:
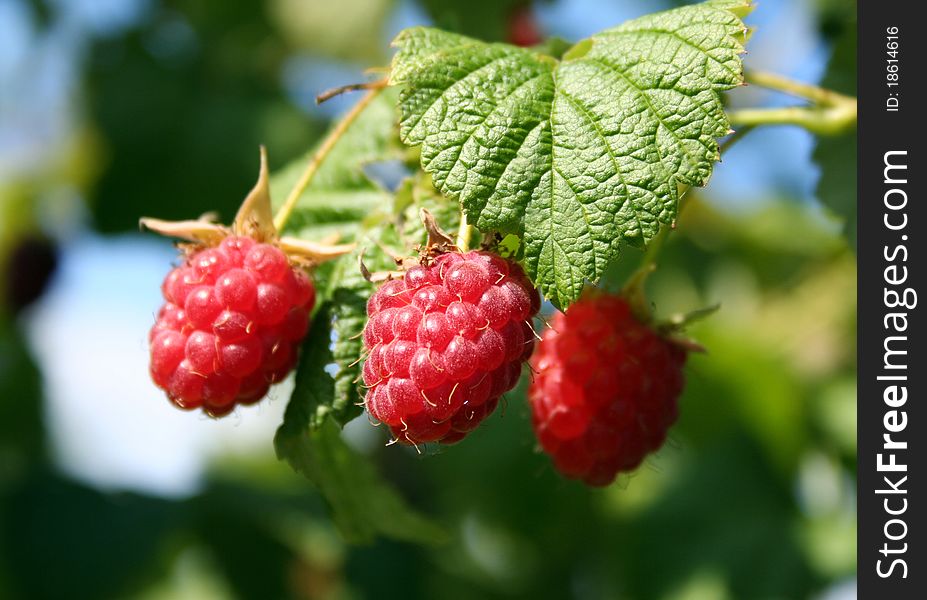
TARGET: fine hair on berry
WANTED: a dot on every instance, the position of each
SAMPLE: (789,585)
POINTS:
(605,389)
(444,342)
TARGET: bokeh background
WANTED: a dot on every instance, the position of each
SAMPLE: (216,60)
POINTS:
(113,109)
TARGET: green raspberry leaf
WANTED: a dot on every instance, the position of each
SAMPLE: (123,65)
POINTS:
(348,292)
(580,155)
(310,403)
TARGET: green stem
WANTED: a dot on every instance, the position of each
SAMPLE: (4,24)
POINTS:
(464,233)
(634,288)
(798,89)
(319,157)
(822,121)
(830,113)
(634,285)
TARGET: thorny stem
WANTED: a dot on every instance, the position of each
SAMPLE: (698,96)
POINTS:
(830,113)
(318,158)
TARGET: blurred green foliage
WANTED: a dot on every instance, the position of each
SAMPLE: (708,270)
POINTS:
(753,497)
(182,101)
(837,186)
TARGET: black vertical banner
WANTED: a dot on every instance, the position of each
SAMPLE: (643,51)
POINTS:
(892,429)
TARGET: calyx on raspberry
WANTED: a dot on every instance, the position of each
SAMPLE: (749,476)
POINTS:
(445,340)
(235,310)
(605,390)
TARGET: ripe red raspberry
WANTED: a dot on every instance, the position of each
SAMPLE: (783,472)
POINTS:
(231,326)
(445,342)
(605,389)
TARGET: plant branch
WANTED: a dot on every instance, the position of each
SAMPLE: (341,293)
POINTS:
(318,158)
(822,121)
(368,85)
(830,112)
(798,89)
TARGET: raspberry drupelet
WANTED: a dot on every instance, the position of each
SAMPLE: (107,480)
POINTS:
(444,342)
(605,390)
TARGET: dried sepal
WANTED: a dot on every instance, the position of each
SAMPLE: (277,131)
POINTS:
(381,276)
(310,251)
(255,218)
(438,240)
(200,231)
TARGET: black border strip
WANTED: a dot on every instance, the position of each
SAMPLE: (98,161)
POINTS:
(892,561)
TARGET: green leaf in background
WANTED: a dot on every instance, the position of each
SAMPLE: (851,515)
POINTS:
(417,193)
(60,538)
(363,505)
(22,440)
(195,149)
(243,529)
(577,155)
(348,30)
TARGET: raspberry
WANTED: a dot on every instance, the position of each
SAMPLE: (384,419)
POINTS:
(522,27)
(606,389)
(445,342)
(231,327)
